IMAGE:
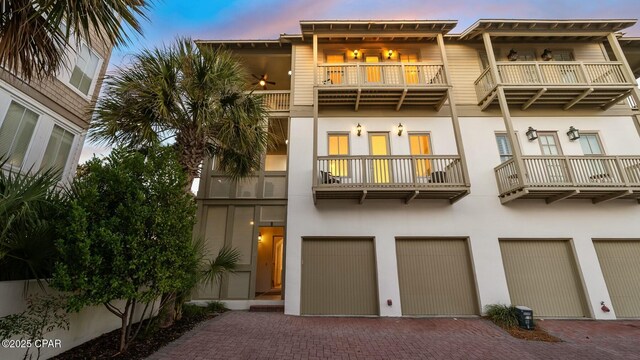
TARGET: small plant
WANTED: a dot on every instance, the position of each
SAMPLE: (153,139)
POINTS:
(194,311)
(502,315)
(43,315)
(217,307)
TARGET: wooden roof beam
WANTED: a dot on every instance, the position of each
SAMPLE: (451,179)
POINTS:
(612,196)
(534,98)
(616,100)
(411,196)
(404,94)
(570,104)
(562,196)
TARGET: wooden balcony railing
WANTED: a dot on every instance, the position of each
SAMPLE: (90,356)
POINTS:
(380,75)
(275,100)
(362,172)
(581,173)
(557,73)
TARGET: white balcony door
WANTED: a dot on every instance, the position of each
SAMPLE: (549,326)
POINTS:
(411,72)
(555,168)
(380,168)
(373,71)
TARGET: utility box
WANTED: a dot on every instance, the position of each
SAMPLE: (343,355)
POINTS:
(525,317)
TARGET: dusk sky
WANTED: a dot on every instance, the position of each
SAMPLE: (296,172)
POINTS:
(266,19)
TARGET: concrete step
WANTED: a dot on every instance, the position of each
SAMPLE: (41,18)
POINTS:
(266,308)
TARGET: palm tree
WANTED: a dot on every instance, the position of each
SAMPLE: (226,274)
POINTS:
(30,206)
(34,33)
(192,96)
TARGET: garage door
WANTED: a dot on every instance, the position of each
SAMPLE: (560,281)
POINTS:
(543,275)
(620,263)
(338,277)
(435,277)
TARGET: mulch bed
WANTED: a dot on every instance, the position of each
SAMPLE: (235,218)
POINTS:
(105,346)
(537,334)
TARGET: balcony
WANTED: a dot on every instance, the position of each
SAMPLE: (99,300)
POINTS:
(562,83)
(395,84)
(390,177)
(275,100)
(555,178)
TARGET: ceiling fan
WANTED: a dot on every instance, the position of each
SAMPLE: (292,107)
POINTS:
(262,80)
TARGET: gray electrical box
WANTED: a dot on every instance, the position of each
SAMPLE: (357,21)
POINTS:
(525,317)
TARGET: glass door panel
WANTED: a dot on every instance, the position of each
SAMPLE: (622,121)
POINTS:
(380,169)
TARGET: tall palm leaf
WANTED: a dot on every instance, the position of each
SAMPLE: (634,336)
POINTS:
(225,262)
(29,207)
(190,95)
(33,42)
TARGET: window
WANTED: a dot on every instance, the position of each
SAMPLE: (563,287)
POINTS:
(58,149)
(549,143)
(85,69)
(504,147)
(420,144)
(339,145)
(562,55)
(590,144)
(16,132)
(598,170)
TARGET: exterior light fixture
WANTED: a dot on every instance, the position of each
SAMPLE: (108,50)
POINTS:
(289,72)
(573,133)
(262,82)
(513,55)
(390,54)
(251,222)
(355,54)
(259,237)
(532,134)
(400,128)
(546,55)
(286,141)
(359,129)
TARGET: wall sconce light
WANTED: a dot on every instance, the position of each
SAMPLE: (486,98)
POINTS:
(251,222)
(400,128)
(390,54)
(359,129)
(532,134)
(289,72)
(259,237)
(546,55)
(513,55)
(573,133)
(355,54)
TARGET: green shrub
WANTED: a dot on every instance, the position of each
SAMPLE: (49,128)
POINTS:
(502,315)
(217,307)
(191,311)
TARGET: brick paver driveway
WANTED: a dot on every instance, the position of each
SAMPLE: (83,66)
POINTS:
(245,335)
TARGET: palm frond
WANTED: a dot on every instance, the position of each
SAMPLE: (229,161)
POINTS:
(225,262)
(33,40)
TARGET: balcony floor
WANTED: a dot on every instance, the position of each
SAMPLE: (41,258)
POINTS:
(551,194)
(452,194)
(565,97)
(382,95)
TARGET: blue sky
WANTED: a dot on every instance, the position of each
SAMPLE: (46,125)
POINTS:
(266,19)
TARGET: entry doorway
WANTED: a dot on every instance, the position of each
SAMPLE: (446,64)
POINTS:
(270,263)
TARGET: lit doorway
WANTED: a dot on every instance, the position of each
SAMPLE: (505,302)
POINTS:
(269,265)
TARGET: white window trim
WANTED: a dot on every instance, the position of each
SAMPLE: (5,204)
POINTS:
(27,153)
(67,69)
(8,93)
